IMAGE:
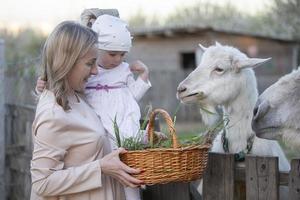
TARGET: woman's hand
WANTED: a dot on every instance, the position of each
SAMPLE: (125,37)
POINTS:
(112,166)
(40,85)
(140,68)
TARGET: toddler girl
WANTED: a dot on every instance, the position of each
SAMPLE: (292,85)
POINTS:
(114,92)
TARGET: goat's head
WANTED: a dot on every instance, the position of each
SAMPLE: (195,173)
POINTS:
(220,76)
(277,110)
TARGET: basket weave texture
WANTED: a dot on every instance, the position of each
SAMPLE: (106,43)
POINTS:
(165,165)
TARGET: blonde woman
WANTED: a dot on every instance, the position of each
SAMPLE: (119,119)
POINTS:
(72,156)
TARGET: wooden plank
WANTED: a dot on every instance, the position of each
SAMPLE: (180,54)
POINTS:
(262,178)
(194,193)
(171,191)
(2,120)
(240,186)
(239,172)
(218,179)
(18,150)
(241,176)
(284,178)
(294,181)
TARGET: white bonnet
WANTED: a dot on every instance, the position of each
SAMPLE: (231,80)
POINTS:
(113,34)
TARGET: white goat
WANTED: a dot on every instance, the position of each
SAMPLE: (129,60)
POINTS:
(225,78)
(277,111)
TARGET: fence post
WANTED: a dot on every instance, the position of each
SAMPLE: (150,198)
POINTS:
(218,179)
(294,182)
(296,56)
(2,119)
(262,178)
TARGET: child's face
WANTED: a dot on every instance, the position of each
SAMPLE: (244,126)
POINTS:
(110,59)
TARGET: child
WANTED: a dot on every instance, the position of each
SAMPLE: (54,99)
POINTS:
(113,92)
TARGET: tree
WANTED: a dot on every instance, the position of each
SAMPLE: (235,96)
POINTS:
(21,46)
(205,13)
(22,51)
(280,20)
(285,15)
(141,20)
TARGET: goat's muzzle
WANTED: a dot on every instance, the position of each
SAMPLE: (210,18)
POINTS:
(181,89)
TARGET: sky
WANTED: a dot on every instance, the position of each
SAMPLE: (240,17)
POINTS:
(45,14)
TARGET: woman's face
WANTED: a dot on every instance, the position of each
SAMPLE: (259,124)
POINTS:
(84,67)
(110,59)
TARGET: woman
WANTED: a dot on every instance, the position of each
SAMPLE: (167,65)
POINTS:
(72,158)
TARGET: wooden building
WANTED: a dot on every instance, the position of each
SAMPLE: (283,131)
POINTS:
(171,53)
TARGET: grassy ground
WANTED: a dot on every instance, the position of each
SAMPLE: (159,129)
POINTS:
(289,152)
(187,128)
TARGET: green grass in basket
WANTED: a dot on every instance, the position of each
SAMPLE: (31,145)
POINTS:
(137,143)
(117,132)
(130,143)
(134,142)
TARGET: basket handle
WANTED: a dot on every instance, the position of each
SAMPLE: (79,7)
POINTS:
(170,125)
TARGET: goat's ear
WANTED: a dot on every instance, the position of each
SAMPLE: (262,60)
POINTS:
(217,44)
(203,48)
(251,62)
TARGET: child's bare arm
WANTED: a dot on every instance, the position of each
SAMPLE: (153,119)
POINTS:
(40,85)
(140,68)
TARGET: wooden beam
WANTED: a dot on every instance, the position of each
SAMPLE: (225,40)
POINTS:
(262,178)
(2,120)
(294,182)
(218,179)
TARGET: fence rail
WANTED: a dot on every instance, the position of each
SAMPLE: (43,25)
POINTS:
(2,135)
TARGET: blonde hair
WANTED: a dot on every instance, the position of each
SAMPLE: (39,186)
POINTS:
(68,42)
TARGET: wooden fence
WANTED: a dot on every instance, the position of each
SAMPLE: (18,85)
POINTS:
(18,145)
(2,133)
(257,178)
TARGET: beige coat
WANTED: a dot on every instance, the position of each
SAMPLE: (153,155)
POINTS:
(67,148)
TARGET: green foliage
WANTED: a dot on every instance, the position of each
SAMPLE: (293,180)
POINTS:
(284,16)
(291,153)
(22,50)
(204,13)
(32,71)
(175,113)
(198,138)
(134,143)
(117,132)
(141,20)
(26,43)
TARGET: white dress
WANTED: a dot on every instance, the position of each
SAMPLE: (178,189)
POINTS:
(114,93)
(117,96)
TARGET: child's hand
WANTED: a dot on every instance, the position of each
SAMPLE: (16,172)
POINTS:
(140,68)
(159,136)
(40,85)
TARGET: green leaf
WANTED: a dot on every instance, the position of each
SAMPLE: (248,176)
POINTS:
(117,132)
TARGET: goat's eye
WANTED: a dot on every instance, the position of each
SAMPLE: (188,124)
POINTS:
(219,70)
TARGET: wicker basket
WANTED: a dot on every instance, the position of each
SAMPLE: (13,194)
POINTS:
(164,165)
